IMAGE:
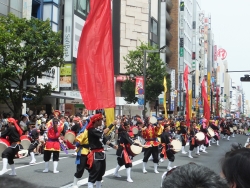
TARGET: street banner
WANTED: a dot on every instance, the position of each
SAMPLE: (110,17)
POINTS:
(217,101)
(206,112)
(139,84)
(190,103)
(165,96)
(110,115)
(95,69)
(66,76)
(185,77)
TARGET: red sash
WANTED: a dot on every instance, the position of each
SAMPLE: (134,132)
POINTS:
(90,157)
(125,154)
(164,151)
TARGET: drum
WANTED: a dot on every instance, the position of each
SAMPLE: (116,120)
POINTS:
(70,136)
(231,129)
(135,130)
(3,145)
(200,138)
(210,132)
(25,141)
(234,128)
(153,120)
(176,145)
(134,149)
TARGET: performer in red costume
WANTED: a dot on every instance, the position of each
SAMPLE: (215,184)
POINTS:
(52,145)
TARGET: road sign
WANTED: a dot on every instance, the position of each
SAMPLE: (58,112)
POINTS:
(140,101)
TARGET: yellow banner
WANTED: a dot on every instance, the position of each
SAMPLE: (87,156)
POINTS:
(110,115)
(165,96)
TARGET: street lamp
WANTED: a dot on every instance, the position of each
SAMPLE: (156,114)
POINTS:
(160,50)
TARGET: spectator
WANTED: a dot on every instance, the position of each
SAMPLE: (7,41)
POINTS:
(23,123)
(236,168)
(192,176)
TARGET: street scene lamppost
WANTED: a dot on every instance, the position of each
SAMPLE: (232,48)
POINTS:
(160,50)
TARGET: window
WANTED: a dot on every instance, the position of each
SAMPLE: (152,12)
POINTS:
(154,26)
(82,6)
(36,10)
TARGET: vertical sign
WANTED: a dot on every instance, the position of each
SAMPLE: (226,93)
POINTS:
(67,30)
(65,76)
(215,52)
(172,95)
(139,92)
(193,86)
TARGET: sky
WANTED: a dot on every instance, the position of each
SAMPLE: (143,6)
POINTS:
(231,29)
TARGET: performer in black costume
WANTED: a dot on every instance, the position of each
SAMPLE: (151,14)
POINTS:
(193,143)
(124,154)
(183,132)
(167,151)
(34,137)
(97,158)
(13,132)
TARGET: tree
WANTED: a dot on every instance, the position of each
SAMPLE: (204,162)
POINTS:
(28,48)
(155,72)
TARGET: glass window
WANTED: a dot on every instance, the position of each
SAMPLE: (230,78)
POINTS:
(47,10)
(50,1)
(3,9)
(154,28)
(16,4)
(83,7)
(6,2)
(54,27)
(55,14)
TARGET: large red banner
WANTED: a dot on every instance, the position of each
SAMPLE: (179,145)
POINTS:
(95,69)
(206,111)
(185,77)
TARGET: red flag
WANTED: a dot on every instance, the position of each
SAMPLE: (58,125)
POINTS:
(206,111)
(185,77)
(95,69)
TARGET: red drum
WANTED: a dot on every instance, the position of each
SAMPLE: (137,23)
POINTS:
(70,136)
(25,141)
(3,145)
(200,138)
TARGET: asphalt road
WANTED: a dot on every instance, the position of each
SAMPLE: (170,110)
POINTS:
(67,168)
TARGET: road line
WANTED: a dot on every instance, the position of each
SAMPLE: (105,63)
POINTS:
(107,173)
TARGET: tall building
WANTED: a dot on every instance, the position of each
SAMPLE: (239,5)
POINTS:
(11,6)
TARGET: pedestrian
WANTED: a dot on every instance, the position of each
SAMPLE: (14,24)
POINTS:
(13,132)
(192,176)
(236,167)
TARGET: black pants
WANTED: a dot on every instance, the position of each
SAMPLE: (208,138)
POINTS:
(170,155)
(183,140)
(97,171)
(47,155)
(10,153)
(151,150)
(191,147)
(121,162)
(81,167)
(33,146)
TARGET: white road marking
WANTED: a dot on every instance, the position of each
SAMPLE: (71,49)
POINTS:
(107,173)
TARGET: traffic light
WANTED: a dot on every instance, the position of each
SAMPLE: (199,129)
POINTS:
(246,78)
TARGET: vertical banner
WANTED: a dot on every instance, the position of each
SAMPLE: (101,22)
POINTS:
(139,83)
(65,76)
(208,86)
(217,101)
(185,77)
(95,66)
(190,103)
(165,96)
(206,107)
(110,115)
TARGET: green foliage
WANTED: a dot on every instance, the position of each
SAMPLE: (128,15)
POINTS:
(27,48)
(155,72)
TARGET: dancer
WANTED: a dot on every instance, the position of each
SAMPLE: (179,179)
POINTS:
(52,145)
(193,143)
(14,132)
(124,154)
(167,151)
(34,137)
(97,158)
(183,132)
(149,133)
(216,132)
(82,145)
(204,130)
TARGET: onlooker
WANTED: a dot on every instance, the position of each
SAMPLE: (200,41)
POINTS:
(23,123)
(236,168)
(192,176)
